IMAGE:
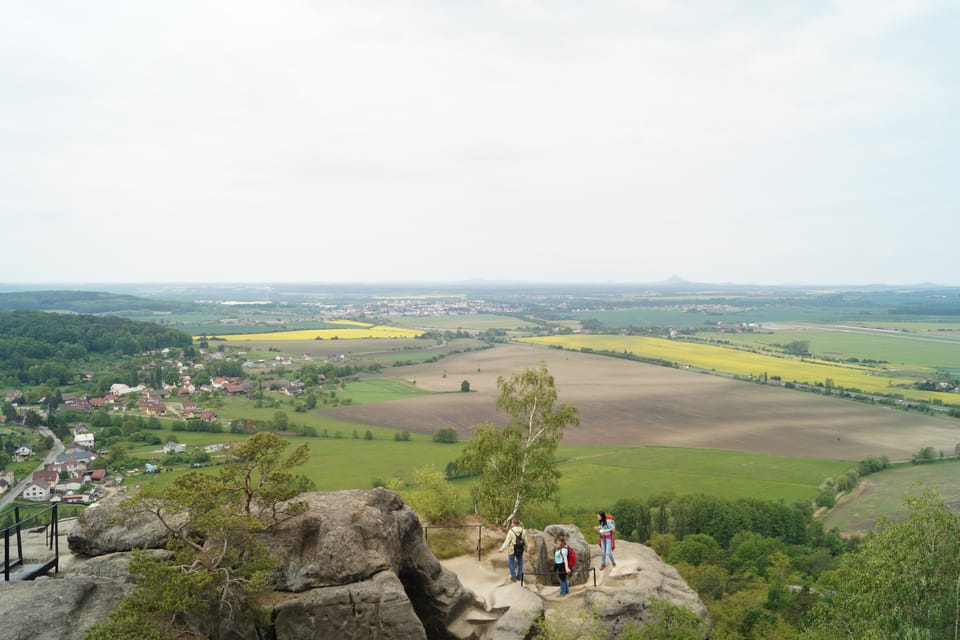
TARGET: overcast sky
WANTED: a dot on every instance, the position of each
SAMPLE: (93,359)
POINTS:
(716,140)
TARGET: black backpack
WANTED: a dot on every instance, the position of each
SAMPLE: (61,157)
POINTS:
(519,545)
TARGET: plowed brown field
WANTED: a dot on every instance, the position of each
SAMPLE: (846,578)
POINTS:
(630,403)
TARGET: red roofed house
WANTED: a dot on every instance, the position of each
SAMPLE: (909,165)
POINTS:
(47,479)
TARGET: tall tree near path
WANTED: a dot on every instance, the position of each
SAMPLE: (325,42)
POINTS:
(518,463)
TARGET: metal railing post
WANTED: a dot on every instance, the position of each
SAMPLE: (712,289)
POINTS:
(16,516)
(51,541)
(426,534)
(592,570)
(6,555)
(55,530)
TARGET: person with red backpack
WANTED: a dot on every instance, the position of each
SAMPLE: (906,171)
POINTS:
(563,561)
(605,526)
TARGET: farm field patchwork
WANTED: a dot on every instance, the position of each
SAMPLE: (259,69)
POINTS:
(747,364)
(366,349)
(631,403)
(914,350)
(347,333)
(472,322)
(690,312)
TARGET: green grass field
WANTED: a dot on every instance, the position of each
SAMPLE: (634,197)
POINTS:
(676,316)
(365,391)
(602,475)
(590,475)
(23,469)
(362,391)
(913,350)
(882,494)
(467,322)
(347,462)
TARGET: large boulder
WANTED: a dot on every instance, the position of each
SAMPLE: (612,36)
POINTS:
(543,554)
(374,608)
(626,591)
(621,595)
(102,529)
(354,564)
(57,609)
(349,537)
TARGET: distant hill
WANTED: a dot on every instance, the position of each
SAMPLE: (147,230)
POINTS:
(96,302)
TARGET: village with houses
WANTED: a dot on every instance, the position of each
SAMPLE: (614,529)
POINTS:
(72,475)
(178,396)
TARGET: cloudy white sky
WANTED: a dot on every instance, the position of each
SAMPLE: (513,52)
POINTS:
(716,140)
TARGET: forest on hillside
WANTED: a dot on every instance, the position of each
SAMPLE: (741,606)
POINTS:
(86,302)
(38,347)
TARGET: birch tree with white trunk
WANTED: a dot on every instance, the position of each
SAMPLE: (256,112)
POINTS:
(518,463)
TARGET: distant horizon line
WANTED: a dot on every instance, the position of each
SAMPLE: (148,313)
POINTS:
(5,287)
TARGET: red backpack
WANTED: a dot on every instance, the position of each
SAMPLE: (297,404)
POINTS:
(571,557)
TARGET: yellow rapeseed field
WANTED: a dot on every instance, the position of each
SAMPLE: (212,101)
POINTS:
(347,333)
(352,323)
(742,363)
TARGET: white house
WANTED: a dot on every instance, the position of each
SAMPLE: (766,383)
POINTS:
(36,493)
(66,486)
(24,452)
(83,438)
(174,447)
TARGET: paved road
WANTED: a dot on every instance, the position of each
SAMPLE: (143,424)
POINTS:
(17,489)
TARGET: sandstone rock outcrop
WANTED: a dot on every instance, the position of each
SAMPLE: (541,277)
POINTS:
(61,608)
(545,554)
(355,565)
(350,537)
(640,576)
(357,557)
(100,530)
(622,594)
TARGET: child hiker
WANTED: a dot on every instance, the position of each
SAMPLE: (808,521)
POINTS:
(561,565)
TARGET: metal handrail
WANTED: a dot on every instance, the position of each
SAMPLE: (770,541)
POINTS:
(51,538)
(592,570)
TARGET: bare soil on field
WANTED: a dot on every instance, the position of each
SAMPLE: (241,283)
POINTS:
(631,403)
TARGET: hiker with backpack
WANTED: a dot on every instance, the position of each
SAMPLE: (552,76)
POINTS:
(516,545)
(606,526)
(563,561)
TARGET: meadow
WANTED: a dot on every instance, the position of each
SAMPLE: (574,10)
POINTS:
(601,475)
(881,494)
(467,322)
(591,475)
(696,312)
(914,350)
